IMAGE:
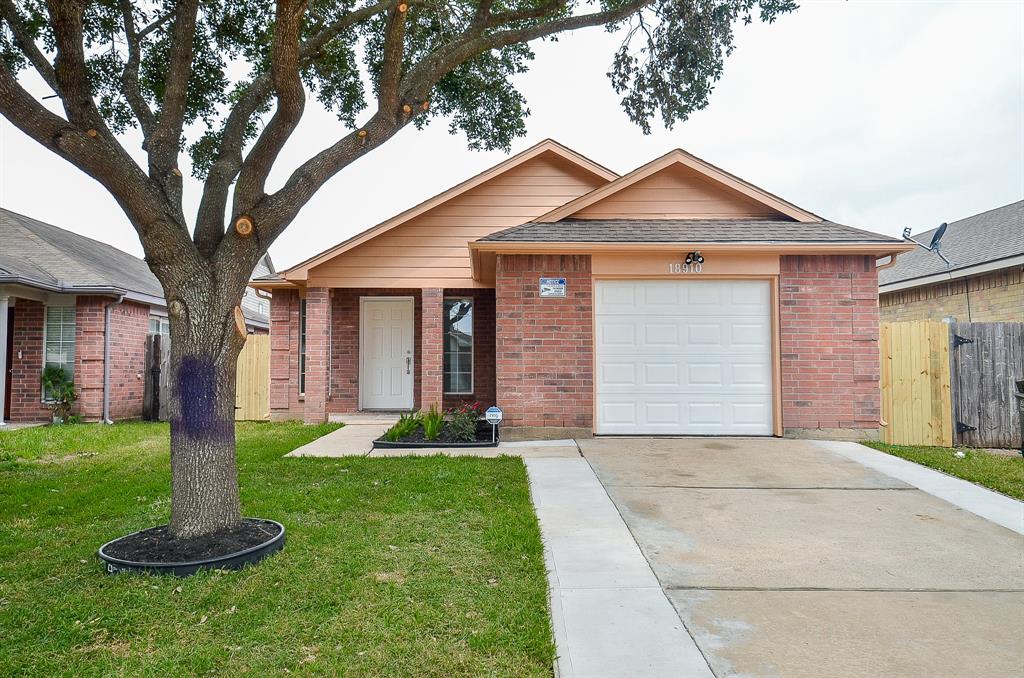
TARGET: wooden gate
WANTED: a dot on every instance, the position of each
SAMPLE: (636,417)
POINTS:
(987,359)
(252,383)
(156,391)
(915,384)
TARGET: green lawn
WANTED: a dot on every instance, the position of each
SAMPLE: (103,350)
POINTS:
(998,472)
(394,567)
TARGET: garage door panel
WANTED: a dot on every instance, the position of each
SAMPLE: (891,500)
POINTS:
(683,357)
(689,415)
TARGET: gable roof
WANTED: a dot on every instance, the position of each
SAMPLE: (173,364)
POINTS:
(37,252)
(44,256)
(738,231)
(703,168)
(990,237)
(300,271)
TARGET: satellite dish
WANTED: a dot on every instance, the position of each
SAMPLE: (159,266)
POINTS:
(938,236)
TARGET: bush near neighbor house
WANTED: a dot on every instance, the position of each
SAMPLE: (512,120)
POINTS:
(60,393)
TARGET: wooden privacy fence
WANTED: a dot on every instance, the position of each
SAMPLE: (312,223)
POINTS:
(252,383)
(951,384)
(252,380)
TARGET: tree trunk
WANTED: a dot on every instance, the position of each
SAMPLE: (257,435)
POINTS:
(204,352)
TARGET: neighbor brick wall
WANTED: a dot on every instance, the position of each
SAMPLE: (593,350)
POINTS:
(89,356)
(26,392)
(829,342)
(994,297)
(129,326)
(544,347)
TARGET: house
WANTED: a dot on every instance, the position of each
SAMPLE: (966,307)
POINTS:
(983,281)
(675,299)
(68,300)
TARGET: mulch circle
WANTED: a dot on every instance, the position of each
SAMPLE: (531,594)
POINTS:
(156,550)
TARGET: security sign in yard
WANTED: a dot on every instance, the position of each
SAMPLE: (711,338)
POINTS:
(493,416)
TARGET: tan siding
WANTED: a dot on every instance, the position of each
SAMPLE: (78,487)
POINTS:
(676,192)
(430,250)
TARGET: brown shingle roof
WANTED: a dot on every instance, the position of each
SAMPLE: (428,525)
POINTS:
(687,230)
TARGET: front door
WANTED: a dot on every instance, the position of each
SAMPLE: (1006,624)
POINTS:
(9,371)
(386,353)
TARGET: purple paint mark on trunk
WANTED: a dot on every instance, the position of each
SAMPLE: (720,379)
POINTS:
(197,389)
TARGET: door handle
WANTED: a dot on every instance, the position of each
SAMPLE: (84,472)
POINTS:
(408,365)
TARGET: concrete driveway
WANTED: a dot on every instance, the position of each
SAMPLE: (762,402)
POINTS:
(784,559)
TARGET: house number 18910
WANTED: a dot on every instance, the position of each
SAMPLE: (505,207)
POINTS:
(678,267)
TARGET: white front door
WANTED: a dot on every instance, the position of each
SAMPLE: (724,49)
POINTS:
(386,353)
(681,357)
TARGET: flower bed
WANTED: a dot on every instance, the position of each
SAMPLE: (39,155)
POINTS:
(458,427)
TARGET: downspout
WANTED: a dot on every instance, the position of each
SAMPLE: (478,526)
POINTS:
(106,358)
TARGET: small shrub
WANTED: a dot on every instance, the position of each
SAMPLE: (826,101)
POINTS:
(60,393)
(462,422)
(432,423)
(404,427)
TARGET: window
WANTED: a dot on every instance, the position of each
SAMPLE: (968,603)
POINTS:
(302,346)
(59,342)
(458,346)
(159,324)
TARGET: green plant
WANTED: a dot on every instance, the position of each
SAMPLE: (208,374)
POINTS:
(404,427)
(433,420)
(60,392)
(462,422)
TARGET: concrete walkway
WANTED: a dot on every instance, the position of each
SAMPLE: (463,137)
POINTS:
(610,616)
(797,558)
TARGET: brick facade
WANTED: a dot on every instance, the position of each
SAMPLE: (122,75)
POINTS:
(828,320)
(343,388)
(991,297)
(318,354)
(544,347)
(129,327)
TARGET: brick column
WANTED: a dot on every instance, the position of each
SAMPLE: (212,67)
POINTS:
(284,354)
(318,352)
(431,356)
(89,337)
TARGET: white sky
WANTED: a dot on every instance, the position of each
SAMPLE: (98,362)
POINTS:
(878,114)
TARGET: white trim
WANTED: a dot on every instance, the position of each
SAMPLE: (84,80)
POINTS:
(956,274)
(472,346)
(46,310)
(412,319)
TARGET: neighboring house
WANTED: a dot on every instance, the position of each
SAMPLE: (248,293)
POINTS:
(586,316)
(982,283)
(69,300)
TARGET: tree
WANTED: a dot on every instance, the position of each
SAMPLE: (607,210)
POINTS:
(239,72)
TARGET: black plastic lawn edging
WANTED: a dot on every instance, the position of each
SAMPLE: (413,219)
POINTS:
(183,568)
(483,439)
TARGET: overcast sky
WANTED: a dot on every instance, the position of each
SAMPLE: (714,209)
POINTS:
(879,115)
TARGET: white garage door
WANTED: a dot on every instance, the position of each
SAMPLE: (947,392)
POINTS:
(685,357)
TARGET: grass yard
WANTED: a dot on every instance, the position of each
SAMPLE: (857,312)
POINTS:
(394,567)
(997,472)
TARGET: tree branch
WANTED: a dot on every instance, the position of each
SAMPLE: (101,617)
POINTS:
(391,65)
(164,143)
(210,218)
(27,45)
(252,176)
(103,160)
(130,78)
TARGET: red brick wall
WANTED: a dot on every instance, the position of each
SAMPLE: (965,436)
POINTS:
(318,354)
(483,349)
(544,347)
(129,323)
(89,356)
(129,326)
(431,365)
(829,332)
(345,345)
(284,354)
(26,392)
